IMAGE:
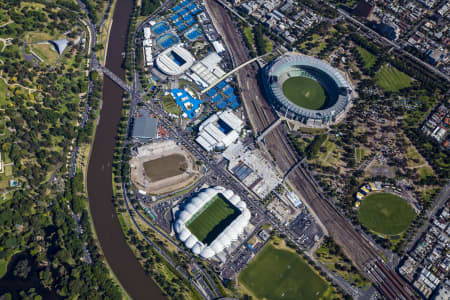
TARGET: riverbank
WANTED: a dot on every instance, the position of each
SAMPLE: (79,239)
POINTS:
(118,254)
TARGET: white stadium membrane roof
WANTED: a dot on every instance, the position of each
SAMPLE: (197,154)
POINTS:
(226,237)
(168,64)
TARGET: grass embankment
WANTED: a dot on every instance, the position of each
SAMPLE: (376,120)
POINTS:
(279,274)
(391,79)
(385,213)
(369,58)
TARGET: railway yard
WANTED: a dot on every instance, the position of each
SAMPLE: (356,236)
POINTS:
(362,252)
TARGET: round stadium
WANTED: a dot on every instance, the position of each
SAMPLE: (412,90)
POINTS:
(306,89)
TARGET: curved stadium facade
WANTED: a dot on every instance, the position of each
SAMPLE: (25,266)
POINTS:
(337,89)
(209,222)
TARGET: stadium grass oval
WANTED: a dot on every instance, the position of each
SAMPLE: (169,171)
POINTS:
(385,213)
(305,92)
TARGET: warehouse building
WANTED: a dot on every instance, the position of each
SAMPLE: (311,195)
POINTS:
(145,127)
(219,131)
(207,71)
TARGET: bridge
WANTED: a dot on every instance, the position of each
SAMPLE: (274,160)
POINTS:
(291,169)
(232,72)
(97,66)
(266,131)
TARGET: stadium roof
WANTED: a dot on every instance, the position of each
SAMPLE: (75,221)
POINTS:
(145,127)
(226,237)
(330,78)
(175,60)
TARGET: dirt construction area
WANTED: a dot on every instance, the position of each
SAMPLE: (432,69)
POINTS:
(163,167)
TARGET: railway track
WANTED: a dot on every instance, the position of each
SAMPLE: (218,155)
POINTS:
(260,114)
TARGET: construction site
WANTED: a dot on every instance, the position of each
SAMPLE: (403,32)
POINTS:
(163,167)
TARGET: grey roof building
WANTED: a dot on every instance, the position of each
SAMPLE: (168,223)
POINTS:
(145,126)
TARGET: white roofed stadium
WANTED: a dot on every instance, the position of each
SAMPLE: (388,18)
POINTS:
(203,227)
(175,60)
(334,91)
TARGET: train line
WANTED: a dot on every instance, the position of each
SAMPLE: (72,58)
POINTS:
(260,114)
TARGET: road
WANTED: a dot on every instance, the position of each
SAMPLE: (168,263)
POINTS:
(439,202)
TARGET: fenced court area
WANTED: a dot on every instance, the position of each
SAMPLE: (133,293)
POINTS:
(167,40)
(160,28)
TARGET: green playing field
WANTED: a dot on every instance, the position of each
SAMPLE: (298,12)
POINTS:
(212,219)
(276,274)
(385,213)
(305,92)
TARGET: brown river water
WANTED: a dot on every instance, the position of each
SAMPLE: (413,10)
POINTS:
(99,179)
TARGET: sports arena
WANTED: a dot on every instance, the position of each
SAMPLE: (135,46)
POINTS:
(306,89)
(211,221)
(174,60)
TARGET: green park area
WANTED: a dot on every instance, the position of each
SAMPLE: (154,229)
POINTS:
(385,213)
(279,274)
(171,106)
(392,80)
(305,92)
(369,58)
(3,91)
(331,255)
(249,34)
(212,219)
(46,52)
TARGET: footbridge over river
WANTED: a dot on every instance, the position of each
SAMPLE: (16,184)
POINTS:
(97,66)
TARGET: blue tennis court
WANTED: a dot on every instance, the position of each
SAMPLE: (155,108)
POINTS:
(191,7)
(221,85)
(178,23)
(232,99)
(235,105)
(193,33)
(176,8)
(222,105)
(190,22)
(160,28)
(187,17)
(217,98)
(183,12)
(173,18)
(167,40)
(211,92)
(196,11)
(181,27)
(228,90)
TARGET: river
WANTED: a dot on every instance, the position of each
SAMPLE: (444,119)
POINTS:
(99,179)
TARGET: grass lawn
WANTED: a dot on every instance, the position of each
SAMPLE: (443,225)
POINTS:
(425,171)
(413,157)
(171,106)
(392,80)
(368,57)
(385,213)
(47,52)
(210,221)
(249,34)
(305,92)
(276,274)
(3,91)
